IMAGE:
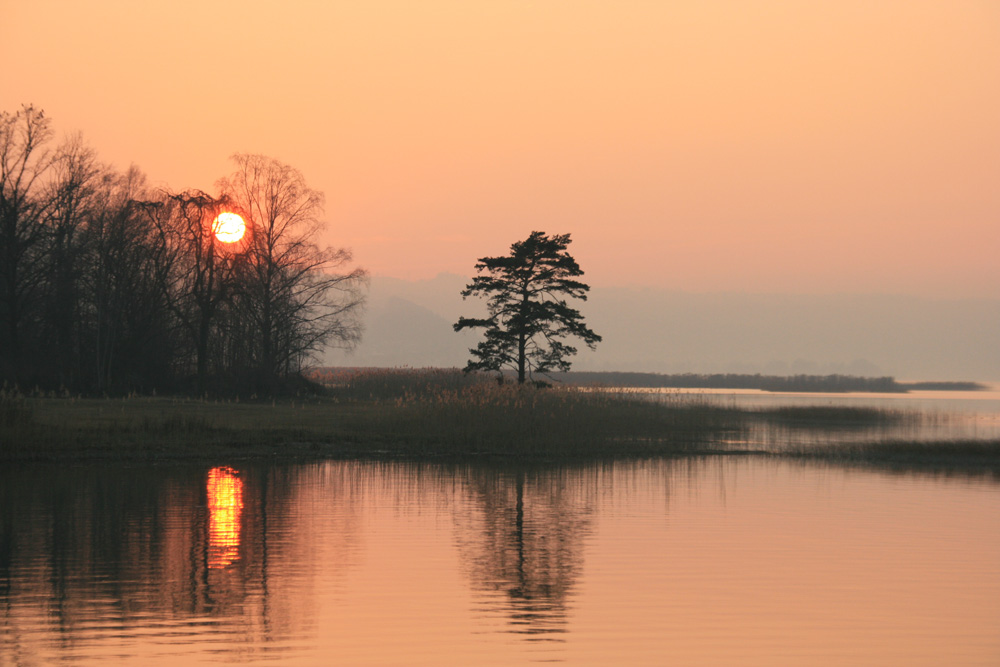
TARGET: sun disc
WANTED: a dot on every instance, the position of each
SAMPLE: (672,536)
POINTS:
(229,227)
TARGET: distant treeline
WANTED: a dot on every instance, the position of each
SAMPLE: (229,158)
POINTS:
(796,383)
(943,386)
(344,376)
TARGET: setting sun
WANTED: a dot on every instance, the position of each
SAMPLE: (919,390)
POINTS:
(229,227)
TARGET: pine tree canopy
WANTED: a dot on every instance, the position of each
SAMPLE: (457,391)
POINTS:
(529,318)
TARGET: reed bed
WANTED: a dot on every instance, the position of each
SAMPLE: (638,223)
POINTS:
(435,414)
(411,414)
(510,420)
(835,416)
(978,457)
(381,384)
(14,409)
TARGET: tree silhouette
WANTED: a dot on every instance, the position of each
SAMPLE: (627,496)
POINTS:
(194,277)
(24,162)
(71,191)
(131,333)
(529,317)
(523,537)
(292,296)
(109,285)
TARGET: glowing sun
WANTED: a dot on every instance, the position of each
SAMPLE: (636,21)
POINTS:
(229,227)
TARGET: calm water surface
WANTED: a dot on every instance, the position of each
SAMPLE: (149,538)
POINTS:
(717,560)
(920,415)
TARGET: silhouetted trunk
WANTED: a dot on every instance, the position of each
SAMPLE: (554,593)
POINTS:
(291,299)
(12,348)
(267,335)
(521,358)
(522,338)
(204,328)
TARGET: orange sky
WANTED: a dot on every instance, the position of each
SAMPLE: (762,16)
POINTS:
(771,145)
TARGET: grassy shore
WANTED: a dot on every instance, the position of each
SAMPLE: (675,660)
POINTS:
(440,415)
(978,457)
(478,420)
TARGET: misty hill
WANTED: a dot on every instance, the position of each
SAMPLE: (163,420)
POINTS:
(409,323)
(400,332)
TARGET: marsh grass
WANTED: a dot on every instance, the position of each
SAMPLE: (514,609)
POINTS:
(435,414)
(521,421)
(835,416)
(382,384)
(14,409)
(978,457)
(412,414)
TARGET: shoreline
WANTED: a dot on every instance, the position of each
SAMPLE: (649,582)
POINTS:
(936,459)
(547,427)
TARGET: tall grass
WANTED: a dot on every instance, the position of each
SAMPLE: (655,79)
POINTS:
(14,409)
(381,384)
(834,416)
(977,457)
(442,414)
(526,420)
(388,413)
(450,412)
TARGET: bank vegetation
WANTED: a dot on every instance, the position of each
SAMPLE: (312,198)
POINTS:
(449,415)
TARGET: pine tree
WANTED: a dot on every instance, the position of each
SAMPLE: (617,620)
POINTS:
(529,316)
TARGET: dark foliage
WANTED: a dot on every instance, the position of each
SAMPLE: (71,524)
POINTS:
(529,317)
(943,386)
(108,286)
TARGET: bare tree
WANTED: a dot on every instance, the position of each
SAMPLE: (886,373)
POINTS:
(71,198)
(130,331)
(295,297)
(105,284)
(24,162)
(193,274)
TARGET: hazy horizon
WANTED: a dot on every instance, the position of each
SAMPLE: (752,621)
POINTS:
(760,147)
(408,323)
(788,185)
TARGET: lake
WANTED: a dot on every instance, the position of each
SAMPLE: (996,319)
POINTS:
(984,402)
(709,560)
(920,415)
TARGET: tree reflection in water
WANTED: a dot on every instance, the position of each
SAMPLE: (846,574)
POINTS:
(236,554)
(122,547)
(526,542)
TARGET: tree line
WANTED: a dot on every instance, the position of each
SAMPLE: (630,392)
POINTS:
(110,285)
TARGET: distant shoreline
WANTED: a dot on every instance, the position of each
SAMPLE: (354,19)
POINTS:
(770,383)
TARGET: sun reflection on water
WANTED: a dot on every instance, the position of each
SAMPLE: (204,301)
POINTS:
(225,507)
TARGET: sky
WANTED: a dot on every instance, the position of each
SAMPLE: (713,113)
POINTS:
(759,146)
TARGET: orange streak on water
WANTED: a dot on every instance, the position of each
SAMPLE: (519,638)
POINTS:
(225,507)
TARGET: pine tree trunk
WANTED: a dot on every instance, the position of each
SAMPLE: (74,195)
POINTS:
(521,344)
